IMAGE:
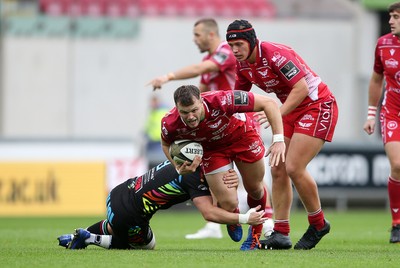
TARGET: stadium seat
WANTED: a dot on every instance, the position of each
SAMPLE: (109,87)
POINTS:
(53,7)
(122,8)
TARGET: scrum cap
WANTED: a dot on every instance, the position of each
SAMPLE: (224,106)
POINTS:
(242,29)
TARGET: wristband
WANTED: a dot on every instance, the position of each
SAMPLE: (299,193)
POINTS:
(278,138)
(371,112)
(244,218)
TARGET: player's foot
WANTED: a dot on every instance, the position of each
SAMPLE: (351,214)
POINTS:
(395,234)
(252,241)
(311,237)
(211,230)
(268,228)
(64,240)
(235,231)
(78,242)
(276,241)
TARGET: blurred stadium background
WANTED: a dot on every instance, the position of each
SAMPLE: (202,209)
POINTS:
(74,99)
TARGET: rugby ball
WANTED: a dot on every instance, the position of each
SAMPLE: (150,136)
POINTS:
(185,150)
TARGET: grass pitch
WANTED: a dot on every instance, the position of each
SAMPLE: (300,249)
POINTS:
(357,239)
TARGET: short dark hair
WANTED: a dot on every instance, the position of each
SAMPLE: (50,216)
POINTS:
(209,23)
(393,7)
(184,95)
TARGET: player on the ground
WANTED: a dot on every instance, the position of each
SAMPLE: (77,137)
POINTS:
(387,67)
(132,204)
(218,120)
(309,112)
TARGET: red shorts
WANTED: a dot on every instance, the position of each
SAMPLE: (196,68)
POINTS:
(390,125)
(316,120)
(249,149)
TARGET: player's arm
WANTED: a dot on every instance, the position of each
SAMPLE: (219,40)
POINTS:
(296,96)
(186,72)
(271,110)
(215,214)
(374,95)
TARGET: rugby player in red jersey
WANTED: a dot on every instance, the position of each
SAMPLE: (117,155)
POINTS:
(217,71)
(387,67)
(309,113)
(218,120)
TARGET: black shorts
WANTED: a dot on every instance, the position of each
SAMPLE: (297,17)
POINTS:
(127,222)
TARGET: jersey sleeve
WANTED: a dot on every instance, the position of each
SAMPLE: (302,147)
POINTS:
(243,101)
(290,70)
(378,66)
(196,185)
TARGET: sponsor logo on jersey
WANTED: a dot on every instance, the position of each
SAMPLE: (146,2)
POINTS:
(325,116)
(241,98)
(392,51)
(215,113)
(391,63)
(289,70)
(397,77)
(215,125)
(392,125)
(263,73)
(220,57)
(278,59)
(271,83)
(264,61)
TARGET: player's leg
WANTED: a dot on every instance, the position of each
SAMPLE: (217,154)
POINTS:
(301,151)
(257,194)
(392,150)
(282,195)
(227,198)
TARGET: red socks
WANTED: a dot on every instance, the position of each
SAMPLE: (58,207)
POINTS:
(394,199)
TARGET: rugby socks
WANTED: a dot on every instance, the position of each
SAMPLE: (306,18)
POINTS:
(98,228)
(317,219)
(99,235)
(394,199)
(282,226)
(253,203)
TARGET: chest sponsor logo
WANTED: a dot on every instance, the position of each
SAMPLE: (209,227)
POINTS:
(397,77)
(215,125)
(392,125)
(289,70)
(241,98)
(215,113)
(271,83)
(278,59)
(263,73)
(264,61)
(391,63)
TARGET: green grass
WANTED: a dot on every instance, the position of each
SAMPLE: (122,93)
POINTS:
(357,239)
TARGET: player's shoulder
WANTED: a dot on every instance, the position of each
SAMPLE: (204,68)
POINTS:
(388,40)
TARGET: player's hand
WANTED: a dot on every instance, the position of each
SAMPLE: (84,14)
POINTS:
(187,167)
(256,216)
(369,126)
(276,153)
(262,119)
(231,179)
(158,82)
